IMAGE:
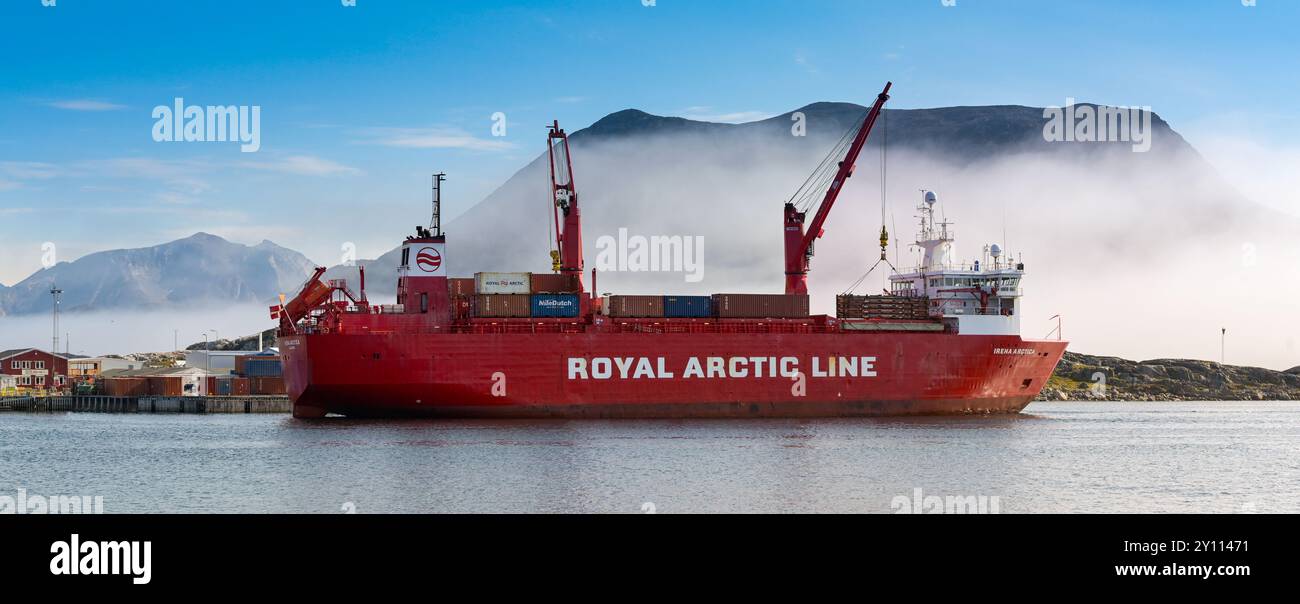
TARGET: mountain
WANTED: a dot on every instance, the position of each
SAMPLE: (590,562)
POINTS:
(198,270)
(1145,252)
(625,160)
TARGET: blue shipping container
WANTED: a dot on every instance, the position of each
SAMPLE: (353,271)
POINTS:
(255,367)
(555,305)
(688,306)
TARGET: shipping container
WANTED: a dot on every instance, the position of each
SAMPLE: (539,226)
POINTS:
(555,305)
(126,386)
(636,306)
(554,283)
(760,306)
(503,283)
(240,386)
(461,286)
(503,305)
(263,366)
(265,386)
(688,306)
(161,385)
(223,386)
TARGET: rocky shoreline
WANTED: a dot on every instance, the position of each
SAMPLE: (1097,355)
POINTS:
(1082,377)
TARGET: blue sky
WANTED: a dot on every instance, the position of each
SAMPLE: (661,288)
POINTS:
(360,104)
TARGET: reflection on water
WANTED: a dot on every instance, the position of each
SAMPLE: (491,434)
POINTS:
(1055,457)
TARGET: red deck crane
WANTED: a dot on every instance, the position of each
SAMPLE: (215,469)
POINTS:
(567,260)
(798,243)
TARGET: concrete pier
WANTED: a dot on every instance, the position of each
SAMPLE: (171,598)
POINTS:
(148,404)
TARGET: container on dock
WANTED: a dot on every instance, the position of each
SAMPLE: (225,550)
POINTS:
(503,283)
(126,386)
(239,386)
(263,366)
(554,283)
(461,286)
(503,305)
(555,305)
(263,386)
(760,306)
(636,306)
(688,306)
(160,385)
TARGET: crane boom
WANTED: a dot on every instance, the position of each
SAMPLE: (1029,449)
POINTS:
(798,242)
(568,218)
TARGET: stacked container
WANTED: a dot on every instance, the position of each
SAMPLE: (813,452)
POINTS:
(688,306)
(503,283)
(263,366)
(554,283)
(636,306)
(460,286)
(503,305)
(761,306)
(266,386)
(554,305)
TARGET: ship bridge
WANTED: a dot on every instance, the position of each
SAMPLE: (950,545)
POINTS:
(980,297)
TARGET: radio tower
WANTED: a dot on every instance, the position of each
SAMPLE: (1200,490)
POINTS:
(55,292)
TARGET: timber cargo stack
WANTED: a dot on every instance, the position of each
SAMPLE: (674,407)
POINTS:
(903,308)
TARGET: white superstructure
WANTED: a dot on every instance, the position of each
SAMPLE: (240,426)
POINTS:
(982,298)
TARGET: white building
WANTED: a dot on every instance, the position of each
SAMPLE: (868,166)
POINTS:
(219,362)
(93,366)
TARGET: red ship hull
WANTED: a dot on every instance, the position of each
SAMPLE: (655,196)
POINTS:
(663,375)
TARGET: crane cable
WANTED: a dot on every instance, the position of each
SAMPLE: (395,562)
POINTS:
(821,176)
(884,146)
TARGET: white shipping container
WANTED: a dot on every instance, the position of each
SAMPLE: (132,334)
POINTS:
(503,283)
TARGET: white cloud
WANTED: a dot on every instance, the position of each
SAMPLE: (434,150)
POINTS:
(86,105)
(308,165)
(26,170)
(182,176)
(431,138)
(801,59)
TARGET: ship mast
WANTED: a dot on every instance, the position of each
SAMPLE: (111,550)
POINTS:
(568,218)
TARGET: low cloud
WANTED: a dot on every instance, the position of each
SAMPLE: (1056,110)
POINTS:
(430,138)
(306,165)
(86,105)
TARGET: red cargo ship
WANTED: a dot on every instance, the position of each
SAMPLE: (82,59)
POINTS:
(944,340)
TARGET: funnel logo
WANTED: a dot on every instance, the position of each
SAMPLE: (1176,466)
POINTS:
(428,259)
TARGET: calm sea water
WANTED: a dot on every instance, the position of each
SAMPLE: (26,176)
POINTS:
(1055,457)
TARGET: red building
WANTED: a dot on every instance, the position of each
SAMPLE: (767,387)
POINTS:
(34,369)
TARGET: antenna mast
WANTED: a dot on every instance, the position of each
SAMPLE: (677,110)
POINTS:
(436,224)
(55,292)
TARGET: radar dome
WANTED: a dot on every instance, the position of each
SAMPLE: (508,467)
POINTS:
(930,198)
(995,250)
